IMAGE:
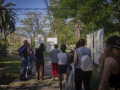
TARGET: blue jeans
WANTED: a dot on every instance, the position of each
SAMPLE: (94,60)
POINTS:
(23,67)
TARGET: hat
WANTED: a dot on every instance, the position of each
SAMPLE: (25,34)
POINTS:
(114,41)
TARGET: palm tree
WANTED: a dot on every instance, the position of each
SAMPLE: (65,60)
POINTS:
(7,17)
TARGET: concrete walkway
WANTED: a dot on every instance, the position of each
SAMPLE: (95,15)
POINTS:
(33,84)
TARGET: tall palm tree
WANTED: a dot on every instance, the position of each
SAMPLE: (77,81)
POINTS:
(7,17)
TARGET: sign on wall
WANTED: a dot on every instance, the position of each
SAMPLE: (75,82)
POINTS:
(90,43)
(98,44)
(38,41)
(50,43)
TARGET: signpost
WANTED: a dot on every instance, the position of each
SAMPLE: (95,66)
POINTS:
(50,43)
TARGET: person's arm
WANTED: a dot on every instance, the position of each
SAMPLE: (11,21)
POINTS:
(58,57)
(75,59)
(106,73)
(32,52)
(89,53)
(18,50)
(21,51)
(68,56)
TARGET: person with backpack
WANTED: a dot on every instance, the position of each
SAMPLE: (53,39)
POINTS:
(83,65)
(24,56)
(53,55)
(110,65)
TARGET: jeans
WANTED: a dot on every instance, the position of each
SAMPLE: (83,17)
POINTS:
(23,67)
(84,76)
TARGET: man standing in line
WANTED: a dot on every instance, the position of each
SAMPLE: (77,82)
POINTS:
(23,53)
(53,55)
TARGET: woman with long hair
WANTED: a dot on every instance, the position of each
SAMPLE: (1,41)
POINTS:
(40,62)
(81,75)
(110,65)
(62,66)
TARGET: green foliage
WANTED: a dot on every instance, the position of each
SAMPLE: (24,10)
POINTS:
(94,14)
(33,24)
(7,18)
(13,71)
(3,44)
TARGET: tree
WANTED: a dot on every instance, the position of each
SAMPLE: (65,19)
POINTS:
(92,13)
(32,25)
(7,18)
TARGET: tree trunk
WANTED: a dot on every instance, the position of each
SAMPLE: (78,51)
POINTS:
(59,42)
(65,37)
(54,32)
(119,17)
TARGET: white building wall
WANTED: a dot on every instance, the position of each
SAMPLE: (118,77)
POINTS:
(90,43)
(98,44)
(50,43)
(38,41)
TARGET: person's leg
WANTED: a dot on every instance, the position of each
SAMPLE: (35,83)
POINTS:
(30,71)
(53,70)
(23,68)
(78,78)
(56,69)
(86,80)
(60,81)
(41,69)
(66,80)
(37,69)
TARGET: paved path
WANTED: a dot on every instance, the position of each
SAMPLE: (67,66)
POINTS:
(32,84)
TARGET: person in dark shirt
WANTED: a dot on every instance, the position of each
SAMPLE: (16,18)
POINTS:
(71,56)
(40,61)
(23,53)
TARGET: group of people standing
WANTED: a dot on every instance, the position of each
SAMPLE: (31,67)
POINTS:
(27,55)
(60,62)
(109,64)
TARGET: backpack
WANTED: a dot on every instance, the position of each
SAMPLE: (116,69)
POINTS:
(86,63)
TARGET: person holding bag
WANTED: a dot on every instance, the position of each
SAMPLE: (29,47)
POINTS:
(63,58)
(83,65)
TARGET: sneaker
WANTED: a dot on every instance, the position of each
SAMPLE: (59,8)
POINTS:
(53,79)
(23,79)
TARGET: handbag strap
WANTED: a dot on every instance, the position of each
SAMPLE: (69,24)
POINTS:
(116,59)
(80,52)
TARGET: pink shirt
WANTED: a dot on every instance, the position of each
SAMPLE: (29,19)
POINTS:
(101,56)
(31,52)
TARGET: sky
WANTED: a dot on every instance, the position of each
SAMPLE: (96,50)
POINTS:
(25,4)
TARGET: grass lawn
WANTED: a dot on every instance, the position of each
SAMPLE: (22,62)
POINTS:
(95,80)
(13,71)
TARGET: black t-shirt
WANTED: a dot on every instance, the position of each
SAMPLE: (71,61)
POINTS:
(39,53)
